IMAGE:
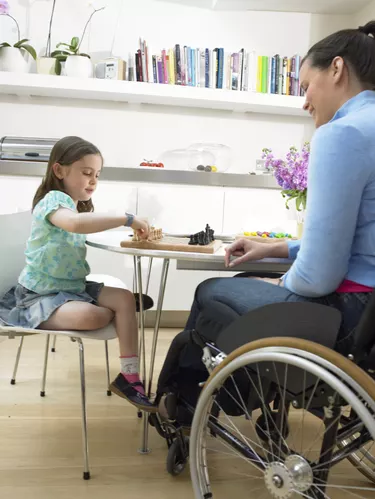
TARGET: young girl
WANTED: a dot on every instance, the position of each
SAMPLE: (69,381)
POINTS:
(52,291)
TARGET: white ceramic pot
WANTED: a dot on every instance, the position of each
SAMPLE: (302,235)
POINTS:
(78,66)
(46,65)
(12,59)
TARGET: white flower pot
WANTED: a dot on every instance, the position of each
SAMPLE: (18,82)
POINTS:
(78,66)
(46,65)
(12,59)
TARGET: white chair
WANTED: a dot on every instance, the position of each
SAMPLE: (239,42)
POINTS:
(15,229)
(108,281)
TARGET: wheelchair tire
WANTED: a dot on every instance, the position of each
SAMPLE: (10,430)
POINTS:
(177,457)
(346,380)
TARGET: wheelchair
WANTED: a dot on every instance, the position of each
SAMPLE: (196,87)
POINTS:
(282,416)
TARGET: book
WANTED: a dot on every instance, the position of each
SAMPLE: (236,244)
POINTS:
(178,64)
(154,69)
(171,67)
(207,69)
(264,74)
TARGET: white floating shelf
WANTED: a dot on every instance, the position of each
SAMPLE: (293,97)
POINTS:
(149,93)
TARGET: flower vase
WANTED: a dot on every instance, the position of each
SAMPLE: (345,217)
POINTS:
(300,222)
(12,59)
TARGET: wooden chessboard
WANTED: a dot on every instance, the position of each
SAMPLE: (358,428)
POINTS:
(169,243)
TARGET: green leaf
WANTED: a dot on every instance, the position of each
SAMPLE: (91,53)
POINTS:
(61,58)
(64,45)
(75,42)
(30,50)
(4,44)
(58,67)
(85,55)
(57,53)
(20,43)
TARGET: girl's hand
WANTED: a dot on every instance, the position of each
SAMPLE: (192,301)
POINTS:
(245,250)
(141,227)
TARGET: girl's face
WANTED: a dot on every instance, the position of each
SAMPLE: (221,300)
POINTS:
(81,177)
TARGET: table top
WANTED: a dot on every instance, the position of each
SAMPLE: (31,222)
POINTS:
(110,241)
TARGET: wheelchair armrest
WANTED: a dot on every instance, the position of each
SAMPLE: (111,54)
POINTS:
(309,321)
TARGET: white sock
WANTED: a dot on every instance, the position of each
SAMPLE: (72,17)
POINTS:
(129,365)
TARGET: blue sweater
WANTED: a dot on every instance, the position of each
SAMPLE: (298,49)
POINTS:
(339,234)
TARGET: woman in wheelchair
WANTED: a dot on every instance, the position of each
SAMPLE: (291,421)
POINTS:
(288,397)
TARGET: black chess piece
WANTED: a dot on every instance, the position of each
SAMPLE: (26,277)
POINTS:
(201,238)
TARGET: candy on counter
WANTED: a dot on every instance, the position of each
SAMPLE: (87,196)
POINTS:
(271,235)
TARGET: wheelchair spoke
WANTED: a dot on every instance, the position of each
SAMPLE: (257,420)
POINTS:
(232,427)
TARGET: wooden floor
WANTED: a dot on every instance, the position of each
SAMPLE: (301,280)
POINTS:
(40,438)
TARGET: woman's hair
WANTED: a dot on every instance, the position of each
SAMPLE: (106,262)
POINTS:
(65,152)
(355,46)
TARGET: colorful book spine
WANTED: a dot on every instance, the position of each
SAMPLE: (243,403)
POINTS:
(202,69)
(154,69)
(197,67)
(273,75)
(178,64)
(285,71)
(160,70)
(264,74)
(235,70)
(207,69)
(259,73)
(171,67)
(277,72)
(220,68)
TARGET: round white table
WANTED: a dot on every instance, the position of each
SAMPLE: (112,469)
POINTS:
(110,241)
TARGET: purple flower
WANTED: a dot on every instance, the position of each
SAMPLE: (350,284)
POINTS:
(4,7)
(291,172)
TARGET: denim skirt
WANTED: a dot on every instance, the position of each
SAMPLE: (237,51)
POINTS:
(24,308)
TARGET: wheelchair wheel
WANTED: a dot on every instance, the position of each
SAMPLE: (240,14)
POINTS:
(177,457)
(301,453)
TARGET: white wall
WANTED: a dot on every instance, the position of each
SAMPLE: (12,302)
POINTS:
(365,15)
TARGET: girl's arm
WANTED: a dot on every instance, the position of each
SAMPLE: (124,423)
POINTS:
(338,173)
(89,223)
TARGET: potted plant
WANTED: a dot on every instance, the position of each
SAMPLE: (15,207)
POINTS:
(48,64)
(291,175)
(77,63)
(12,57)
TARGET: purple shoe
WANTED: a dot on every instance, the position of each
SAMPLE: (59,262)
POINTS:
(121,387)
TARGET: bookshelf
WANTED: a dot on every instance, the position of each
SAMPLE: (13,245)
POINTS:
(149,93)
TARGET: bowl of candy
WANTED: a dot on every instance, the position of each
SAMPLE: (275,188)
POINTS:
(221,154)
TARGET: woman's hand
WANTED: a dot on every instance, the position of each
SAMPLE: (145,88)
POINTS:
(245,250)
(141,227)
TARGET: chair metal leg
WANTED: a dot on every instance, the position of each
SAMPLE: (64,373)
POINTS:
(13,380)
(43,388)
(53,349)
(109,393)
(86,471)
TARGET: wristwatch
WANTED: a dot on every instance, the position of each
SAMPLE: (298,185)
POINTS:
(130,219)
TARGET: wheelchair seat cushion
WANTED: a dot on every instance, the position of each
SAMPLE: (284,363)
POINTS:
(310,321)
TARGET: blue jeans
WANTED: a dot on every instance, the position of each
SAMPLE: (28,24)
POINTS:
(244,294)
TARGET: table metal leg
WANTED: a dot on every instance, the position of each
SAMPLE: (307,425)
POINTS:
(163,282)
(144,449)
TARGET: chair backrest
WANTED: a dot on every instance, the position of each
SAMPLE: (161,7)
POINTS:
(14,232)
